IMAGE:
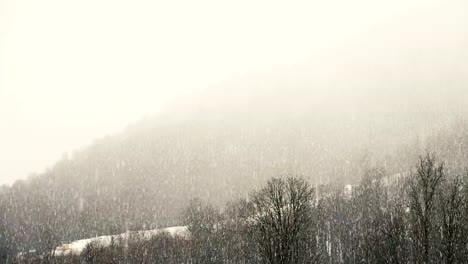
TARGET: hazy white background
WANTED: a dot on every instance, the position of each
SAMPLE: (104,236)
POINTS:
(71,71)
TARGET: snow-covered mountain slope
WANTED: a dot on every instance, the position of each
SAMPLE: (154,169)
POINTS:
(77,247)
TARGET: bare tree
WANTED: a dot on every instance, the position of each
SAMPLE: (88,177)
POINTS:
(452,201)
(282,219)
(422,192)
(202,220)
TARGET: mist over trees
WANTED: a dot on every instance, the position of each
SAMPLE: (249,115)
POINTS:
(273,132)
(145,177)
(417,217)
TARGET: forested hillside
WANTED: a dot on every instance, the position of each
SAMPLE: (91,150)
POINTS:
(415,217)
(143,177)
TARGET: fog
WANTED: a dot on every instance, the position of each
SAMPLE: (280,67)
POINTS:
(248,131)
(74,71)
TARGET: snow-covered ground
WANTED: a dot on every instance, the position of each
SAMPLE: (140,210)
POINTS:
(77,247)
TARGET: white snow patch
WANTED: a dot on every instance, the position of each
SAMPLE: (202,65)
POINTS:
(78,246)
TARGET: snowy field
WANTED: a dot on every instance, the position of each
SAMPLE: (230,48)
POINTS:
(77,247)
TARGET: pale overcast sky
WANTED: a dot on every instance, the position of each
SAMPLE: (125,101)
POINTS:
(72,71)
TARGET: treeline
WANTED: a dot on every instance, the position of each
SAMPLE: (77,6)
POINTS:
(419,217)
(144,177)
